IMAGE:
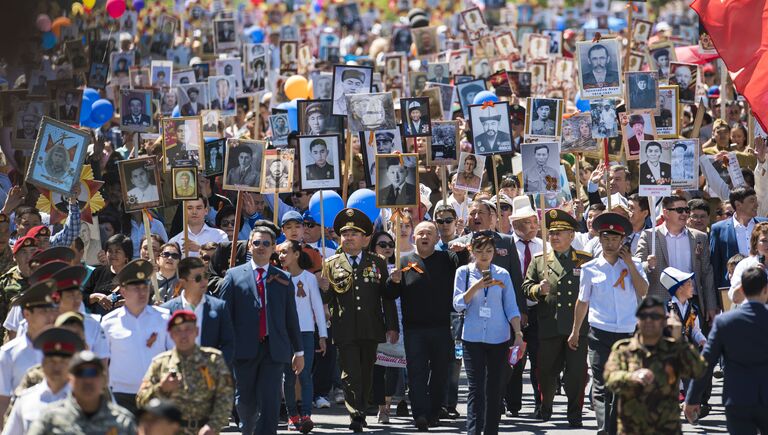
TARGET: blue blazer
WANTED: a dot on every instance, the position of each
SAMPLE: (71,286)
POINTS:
(238,290)
(217,330)
(723,246)
(739,337)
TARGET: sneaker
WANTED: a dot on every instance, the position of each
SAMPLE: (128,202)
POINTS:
(294,423)
(453,413)
(321,403)
(338,397)
(306,424)
(383,416)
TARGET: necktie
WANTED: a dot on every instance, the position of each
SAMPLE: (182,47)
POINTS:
(354,262)
(263,310)
(397,192)
(526,256)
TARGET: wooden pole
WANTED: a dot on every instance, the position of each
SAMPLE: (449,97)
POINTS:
(151,251)
(496,187)
(397,239)
(653,223)
(276,208)
(347,167)
(322,233)
(630,32)
(542,207)
(606,161)
(238,212)
(723,86)
(578,175)
(186,228)
(444,180)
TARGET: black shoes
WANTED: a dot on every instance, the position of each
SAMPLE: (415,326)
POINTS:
(421,423)
(402,409)
(453,413)
(357,425)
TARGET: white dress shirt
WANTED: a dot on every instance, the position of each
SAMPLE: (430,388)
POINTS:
(310,307)
(738,271)
(461,208)
(535,246)
(678,249)
(266,291)
(743,234)
(29,405)
(132,345)
(198,310)
(16,357)
(206,234)
(611,308)
(696,333)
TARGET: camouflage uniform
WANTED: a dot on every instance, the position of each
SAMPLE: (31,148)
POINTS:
(11,284)
(652,409)
(206,393)
(67,417)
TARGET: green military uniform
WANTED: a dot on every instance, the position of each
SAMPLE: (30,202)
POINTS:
(67,417)
(653,409)
(555,320)
(357,300)
(11,284)
(315,172)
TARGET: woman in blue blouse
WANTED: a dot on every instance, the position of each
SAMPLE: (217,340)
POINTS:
(485,294)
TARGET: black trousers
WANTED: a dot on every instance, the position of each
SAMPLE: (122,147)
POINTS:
(324,367)
(513,395)
(429,353)
(604,402)
(385,380)
(746,420)
(484,364)
(356,360)
(127,401)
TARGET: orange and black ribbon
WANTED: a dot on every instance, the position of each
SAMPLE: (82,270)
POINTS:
(620,281)
(207,376)
(414,266)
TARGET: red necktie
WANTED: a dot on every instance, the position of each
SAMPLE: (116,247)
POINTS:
(263,310)
(526,256)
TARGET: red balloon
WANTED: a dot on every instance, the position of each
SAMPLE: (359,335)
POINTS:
(115,8)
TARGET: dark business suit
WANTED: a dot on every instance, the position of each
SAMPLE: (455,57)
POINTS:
(723,246)
(141,119)
(611,79)
(738,336)
(259,366)
(228,105)
(216,330)
(67,113)
(646,176)
(502,144)
(634,145)
(406,195)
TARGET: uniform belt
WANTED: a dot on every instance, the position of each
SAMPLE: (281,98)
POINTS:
(197,423)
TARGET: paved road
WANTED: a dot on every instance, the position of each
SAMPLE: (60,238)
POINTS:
(335,419)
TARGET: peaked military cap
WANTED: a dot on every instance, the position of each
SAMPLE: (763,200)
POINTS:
(70,278)
(37,296)
(24,242)
(352,219)
(57,253)
(612,223)
(136,272)
(58,342)
(46,271)
(559,220)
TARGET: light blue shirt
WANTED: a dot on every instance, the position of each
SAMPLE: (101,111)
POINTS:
(499,300)
(137,233)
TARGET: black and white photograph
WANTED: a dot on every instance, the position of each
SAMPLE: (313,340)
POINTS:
(577,133)
(686,77)
(642,91)
(320,162)
(162,39)
(370,112)
(161,74)
(211,120)
(202,71)
(225,35)
(242,167)
(128,22)
(537,47)
(467,91)
(685,164)
(563,72)
(382,142)
(121,62)
(434,98)
(474,23)
(543,116)
(505,44)
(394,73)
(426,40)
(289,57)
(140,183)
(183,142)
(491,129)
(231,67)
(136,110)
(438,73)
(605,123)
(541,167)
(442,147)
(398,180)
(349,80)
(417,81)
(179,54)
(256,68)
(457,62)
(97,75)
(415,116)
(139,77)
(184,183)
(221,91)
(639,127)
(641,31)
(184,77)
(192,99)
(446,99)
(322,85)
(660,58)
(636,61)
(278,124)
(277,171)
(655,168)
(57,157)
(667,120)
(68,105)
(539,77)
(555,41)
(401,39)
(315,118)
(469,174)
(26,122)
(600,68)
(348,15)
(520,83)
(215,154)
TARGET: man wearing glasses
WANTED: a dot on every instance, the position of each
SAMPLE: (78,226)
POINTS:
(445,218)
(212,318)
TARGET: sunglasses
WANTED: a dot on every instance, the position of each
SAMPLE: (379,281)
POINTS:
(385,245)
(309,225)
(264,243)
(201,277)
(227,223)
(505,207)
(652,316)
(87,372)
(486,233)
(444,221)
(205,257)
(680,210)
(173,255)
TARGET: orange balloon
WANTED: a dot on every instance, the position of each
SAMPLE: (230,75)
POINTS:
(296,87)
(58,23)
(310,90)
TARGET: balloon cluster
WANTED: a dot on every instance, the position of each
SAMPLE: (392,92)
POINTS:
(95,111)
(361,199)
(296,88)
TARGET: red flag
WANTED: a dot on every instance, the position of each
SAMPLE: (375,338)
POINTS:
(736,28)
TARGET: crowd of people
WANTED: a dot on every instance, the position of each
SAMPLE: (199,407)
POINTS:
(191,281)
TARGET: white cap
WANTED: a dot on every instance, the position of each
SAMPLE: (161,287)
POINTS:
(672,279)
(521,208)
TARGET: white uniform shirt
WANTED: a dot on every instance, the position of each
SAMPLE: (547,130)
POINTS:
(206,234)
(29,405)
(611,308)
(94,334)
(310,307)
(132,345)
(16,357)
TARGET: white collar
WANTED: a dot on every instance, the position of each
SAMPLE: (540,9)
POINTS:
(185,302)
(256,266)
(665,231)
(736,223)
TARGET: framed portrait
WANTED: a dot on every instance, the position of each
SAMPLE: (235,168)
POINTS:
(541,167)
(638,127)
(655,168)
(349,80)
(179,54)
(277,171)
(457,62)
(319,162)
(636,61)
(192,98)
(68,105)
(660,57)
(401,39)
(242,166)
(136,110)
(315,117)
(605,123)
(426,40)
(438,73)
(469,174)
(348,16)
(467,91)
(555,47)
(161,74)
(329,48)
(642,91)
(500,82)
(278,123)
(289,56)
(600,68)
(537,47)
(563,71)
(505,44)
(434,98)
(369,112)
(443,144)
(398,180)
(139,77)
(163,37)
(168,100)
(140,183)
(182,142)
(539,77)
(520,83)
(543,117)
(706,46)
(225,34)
(211,119)
(668,118)
(382,142)
(599,7)
(322,85)
(474,23)
(577,133)
(184,182)
(27,116)
(202,71)
(417,80)
(231,67)
(685,164)
(641,31)
(686,77)
(393,71)
(215,155)
(444,98)
(490,128)
(415,116)
(97,75)
(184,77)
(221,91)
(256,68)
(121,62)
(57,157)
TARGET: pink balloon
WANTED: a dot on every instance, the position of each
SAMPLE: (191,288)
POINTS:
(43,23)
(115,8)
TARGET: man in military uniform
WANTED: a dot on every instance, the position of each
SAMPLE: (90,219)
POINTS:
(358,287)
(535,175)
(491,140)
(553,282)
(13,281)
(645,371)
(321,169)
(194,378)
(85,410)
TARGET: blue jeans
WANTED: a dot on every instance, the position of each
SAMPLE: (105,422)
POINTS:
(308,338)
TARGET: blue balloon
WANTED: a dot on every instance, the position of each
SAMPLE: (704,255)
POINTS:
(365,201)
(91,95)
(582,105)
(102,111)
(292,109)
(257,36)
(138,5)
(49,40)
(483,96)
(332,205)
(176,113)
